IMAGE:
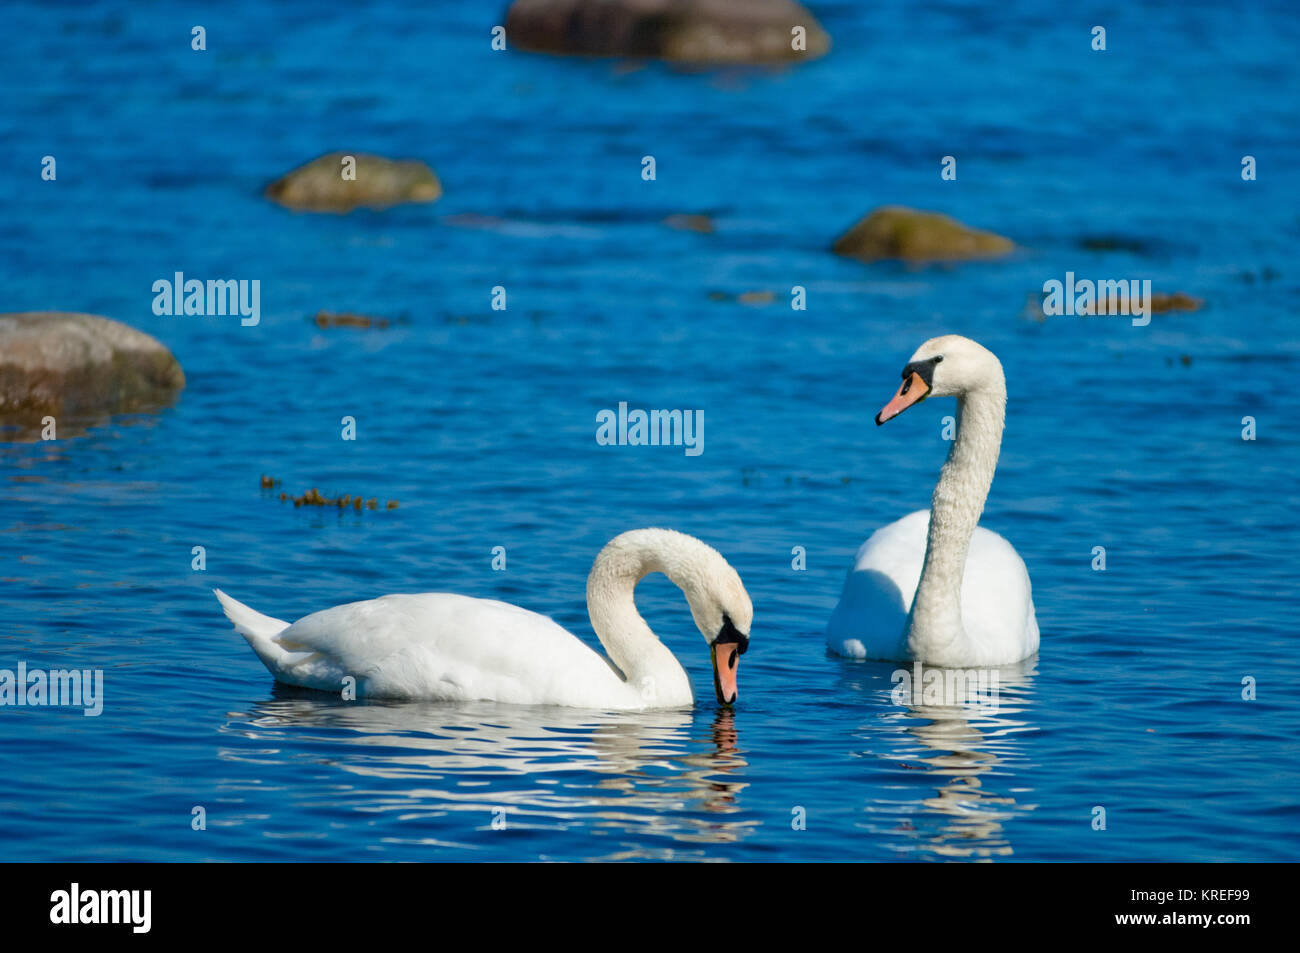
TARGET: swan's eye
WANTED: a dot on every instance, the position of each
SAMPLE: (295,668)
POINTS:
(938,358)
(922,369)
(730,633)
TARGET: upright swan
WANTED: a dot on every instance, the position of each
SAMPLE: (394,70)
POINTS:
(935,587)
(441,646)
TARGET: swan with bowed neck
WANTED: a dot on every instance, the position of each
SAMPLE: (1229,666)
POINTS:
(441,646)
(934,586)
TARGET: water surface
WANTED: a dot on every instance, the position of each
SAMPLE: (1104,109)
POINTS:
(481,423)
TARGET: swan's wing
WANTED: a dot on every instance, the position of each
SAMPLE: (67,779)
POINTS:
(878,591)
(997,603)
(444,646)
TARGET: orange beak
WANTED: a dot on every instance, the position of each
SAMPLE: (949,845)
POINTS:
(726,658)
(912,392)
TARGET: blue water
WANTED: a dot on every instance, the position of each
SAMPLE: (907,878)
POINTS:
(481,423)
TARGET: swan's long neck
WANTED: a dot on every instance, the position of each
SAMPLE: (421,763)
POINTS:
(934,625)
(647,665)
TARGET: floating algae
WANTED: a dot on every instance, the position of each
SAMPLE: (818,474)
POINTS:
(314,497)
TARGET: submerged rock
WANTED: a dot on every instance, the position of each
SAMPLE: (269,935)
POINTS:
(681,31)
(346,319)
(1138,246)
(752,298)
(1160,303)
(896,232)
(1178,301)
(690,223)
(65,365)
(320,186)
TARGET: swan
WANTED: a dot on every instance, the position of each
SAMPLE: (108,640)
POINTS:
(440,646)
(935,587)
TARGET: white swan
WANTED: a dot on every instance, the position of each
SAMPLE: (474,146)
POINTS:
(935,587)
(441,646)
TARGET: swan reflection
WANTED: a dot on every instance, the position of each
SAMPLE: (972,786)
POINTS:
(956,744)
(453,774)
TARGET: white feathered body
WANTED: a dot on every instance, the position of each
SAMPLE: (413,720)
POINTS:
(441,647)
(997,608)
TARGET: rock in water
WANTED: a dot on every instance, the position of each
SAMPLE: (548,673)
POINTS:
(76,366)
(681,31)
(905,233)
(321,185)
(1178,301)
(690,223)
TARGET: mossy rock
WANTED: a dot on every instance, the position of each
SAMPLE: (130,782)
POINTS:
(705,32)
(896,232)
(319,186)
(78,366)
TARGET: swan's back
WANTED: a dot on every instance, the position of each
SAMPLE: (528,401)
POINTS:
(442,647)
(996,601)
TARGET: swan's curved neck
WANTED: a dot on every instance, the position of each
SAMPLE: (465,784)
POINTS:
(647,665)
(934,624)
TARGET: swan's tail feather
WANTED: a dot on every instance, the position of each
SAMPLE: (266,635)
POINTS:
(260,630)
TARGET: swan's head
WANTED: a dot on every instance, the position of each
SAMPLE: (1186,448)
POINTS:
(719,603)
(723,614)
(947,366)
